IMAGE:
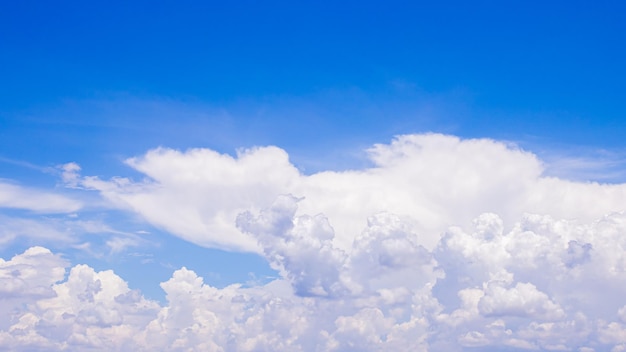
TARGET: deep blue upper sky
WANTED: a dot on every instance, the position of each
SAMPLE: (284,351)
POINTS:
(102,81)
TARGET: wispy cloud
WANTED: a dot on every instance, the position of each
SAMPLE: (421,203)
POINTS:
(586,164)
(37,200)
(26,164)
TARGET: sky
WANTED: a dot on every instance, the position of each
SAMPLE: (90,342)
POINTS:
(316,176)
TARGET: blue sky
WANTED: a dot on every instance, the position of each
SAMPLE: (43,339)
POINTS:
(513,68)
(95,83)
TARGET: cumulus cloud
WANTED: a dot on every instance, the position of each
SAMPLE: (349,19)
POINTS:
(442,245)
(435,180)
(88,310)
(204,190)
(479,288)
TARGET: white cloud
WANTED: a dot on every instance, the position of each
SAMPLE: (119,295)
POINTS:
(31,274)
(301,248)
(66,231)
(334,300)
(523,300)
(580,163)
(368,259)
(204,191)
(19,197)
(435,180)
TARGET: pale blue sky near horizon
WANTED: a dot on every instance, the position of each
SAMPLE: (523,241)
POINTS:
(98,82)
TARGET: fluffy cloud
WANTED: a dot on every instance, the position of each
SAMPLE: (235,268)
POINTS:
(204,191)
(88,310)
(482,288)
(369,260)
(435,180)
(31,274)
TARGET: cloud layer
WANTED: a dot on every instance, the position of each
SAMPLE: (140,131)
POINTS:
(442,245)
